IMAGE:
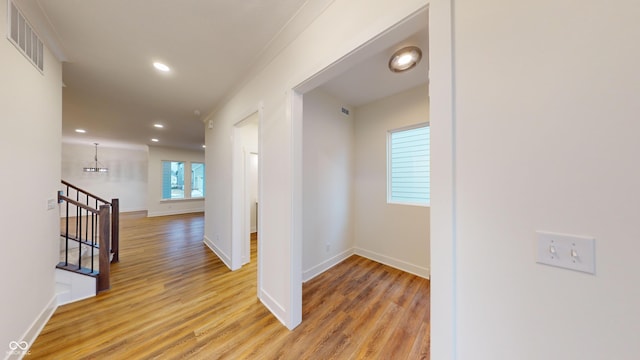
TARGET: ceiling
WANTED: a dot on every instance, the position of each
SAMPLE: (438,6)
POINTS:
(370,79)
(113,91)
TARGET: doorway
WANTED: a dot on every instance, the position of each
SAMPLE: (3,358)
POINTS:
(245,193)
(338,87)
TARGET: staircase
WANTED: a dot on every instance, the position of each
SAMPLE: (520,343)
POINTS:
(89,240)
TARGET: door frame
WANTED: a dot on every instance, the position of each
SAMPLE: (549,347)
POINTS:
(240,228)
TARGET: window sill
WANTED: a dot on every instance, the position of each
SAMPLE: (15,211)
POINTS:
(179,200)
(409,204)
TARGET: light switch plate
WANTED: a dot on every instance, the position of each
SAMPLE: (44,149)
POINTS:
(566,251)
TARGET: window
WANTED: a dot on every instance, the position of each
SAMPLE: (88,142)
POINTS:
(172,180)
(408,166)
(197,180)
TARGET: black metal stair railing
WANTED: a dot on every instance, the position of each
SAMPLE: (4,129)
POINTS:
(90,226)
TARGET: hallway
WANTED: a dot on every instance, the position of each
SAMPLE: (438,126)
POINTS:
(172,298)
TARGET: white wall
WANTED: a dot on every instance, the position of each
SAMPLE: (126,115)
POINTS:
(327,183)
(340,29)
(155,205)
(396,235)
(31,120)
(126,179)
(545,137)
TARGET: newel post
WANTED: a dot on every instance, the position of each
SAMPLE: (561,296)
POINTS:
(104,282)
(115,230)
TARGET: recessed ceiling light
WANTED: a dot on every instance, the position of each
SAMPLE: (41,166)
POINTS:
(161,66)
(81,131)
(159,126)
(204,146)
(155,140)
(405,59)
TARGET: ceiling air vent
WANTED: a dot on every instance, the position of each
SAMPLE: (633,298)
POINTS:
(24,38)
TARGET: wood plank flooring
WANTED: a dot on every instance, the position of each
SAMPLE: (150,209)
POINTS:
(172,298)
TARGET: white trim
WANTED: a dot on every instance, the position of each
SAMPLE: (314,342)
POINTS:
(443,192)
(295,117)
(427,205)
(393,262)
(326,265)
(174,212)
(36,327)
(240,229)
(216,250)
(237,196)
(401,265)
(274,307)
(410,127)
(260,192)
(181,199)
(366,46)
(390,133)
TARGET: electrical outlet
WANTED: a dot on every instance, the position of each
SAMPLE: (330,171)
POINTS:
(566,251)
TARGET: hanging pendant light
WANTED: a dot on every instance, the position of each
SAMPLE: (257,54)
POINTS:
(97,167)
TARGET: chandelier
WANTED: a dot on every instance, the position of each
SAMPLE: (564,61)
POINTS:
(96,167)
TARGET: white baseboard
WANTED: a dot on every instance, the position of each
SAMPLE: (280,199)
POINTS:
(34,330)
(326,265)
(274,307)
(226,259)
(395,263)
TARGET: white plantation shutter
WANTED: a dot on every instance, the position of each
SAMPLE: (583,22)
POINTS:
(409,166)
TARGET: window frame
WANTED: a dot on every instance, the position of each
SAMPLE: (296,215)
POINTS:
(390,199)
(162,183)
(204,179)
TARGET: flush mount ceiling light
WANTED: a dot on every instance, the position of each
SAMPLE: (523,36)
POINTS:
(161,66)
(405,59)
(96,167)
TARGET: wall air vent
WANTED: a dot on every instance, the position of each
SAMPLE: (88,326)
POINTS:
(21,34)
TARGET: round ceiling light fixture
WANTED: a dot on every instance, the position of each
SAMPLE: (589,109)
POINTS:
(160,66)
(405,59)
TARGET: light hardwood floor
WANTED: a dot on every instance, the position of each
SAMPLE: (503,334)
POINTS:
(171,298)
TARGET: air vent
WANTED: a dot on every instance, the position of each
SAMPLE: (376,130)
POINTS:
(21,34)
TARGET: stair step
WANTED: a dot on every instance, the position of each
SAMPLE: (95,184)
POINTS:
(62,288)
(72,286)
(75,269)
